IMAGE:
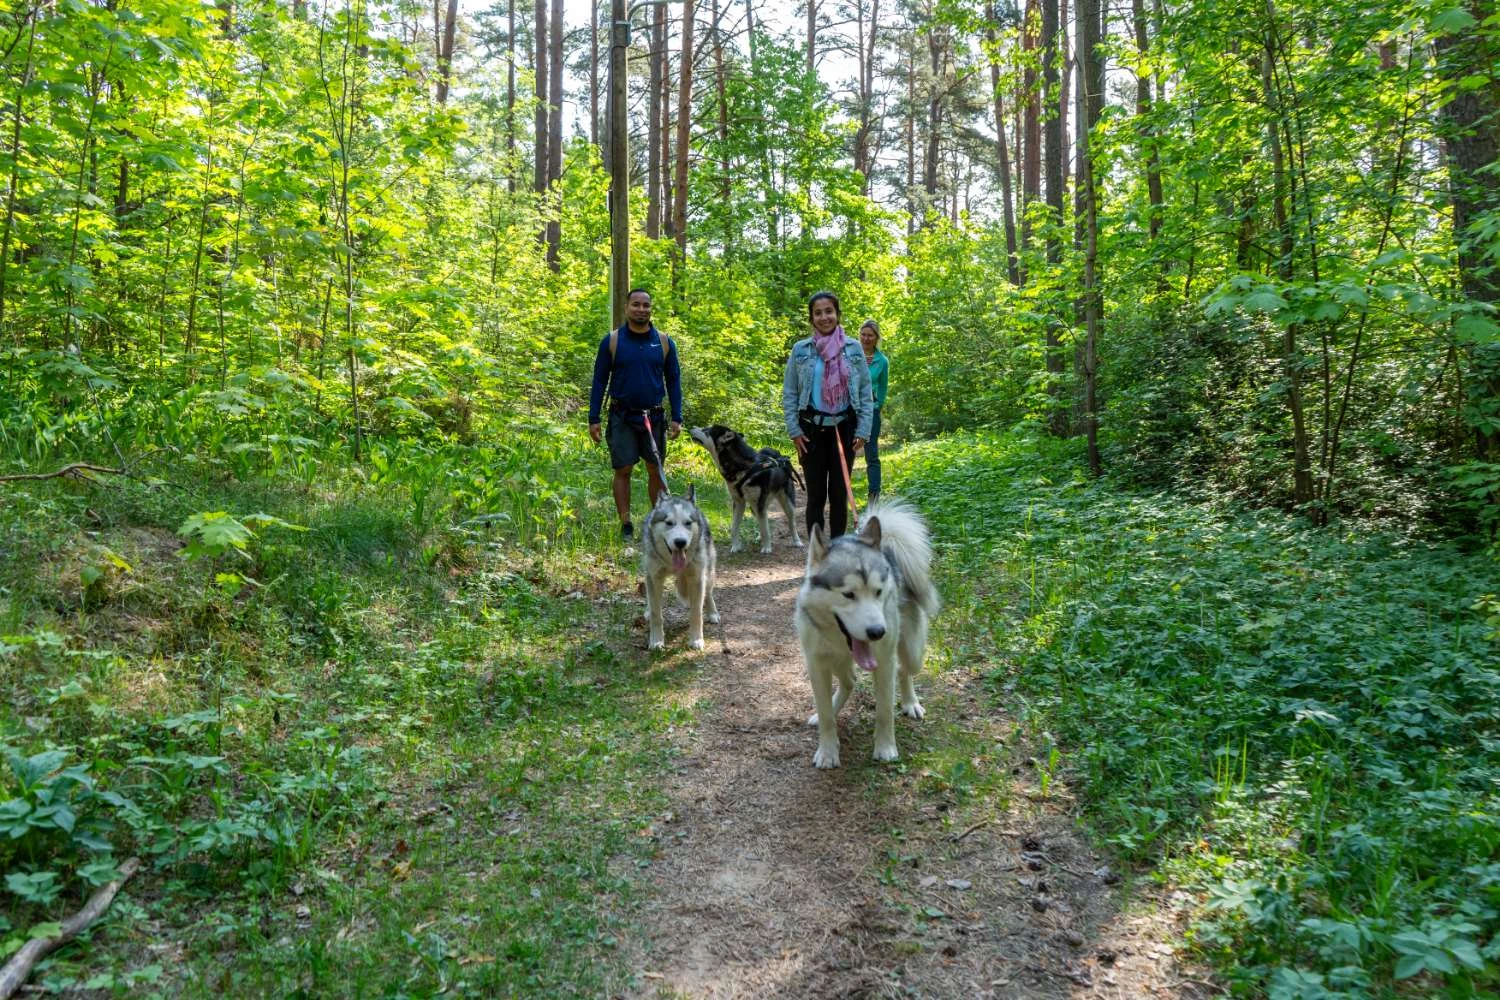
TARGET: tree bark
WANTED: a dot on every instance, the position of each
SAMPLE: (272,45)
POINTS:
(1144,129)
(1091,100)
(1031,133)
(510,98)
(1471,123)
(666,138)
(445,53)
(540,119)
(655,124)
(1056,363)
(1012,266)
(594,72)
(554,134)
(1291,359)
(684,134)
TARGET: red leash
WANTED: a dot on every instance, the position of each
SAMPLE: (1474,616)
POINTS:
(661,467)
(844,471)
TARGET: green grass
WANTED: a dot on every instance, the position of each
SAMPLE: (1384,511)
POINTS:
(407,759)
(1299,723)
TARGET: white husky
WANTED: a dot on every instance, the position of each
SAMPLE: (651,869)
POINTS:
(866,600)
(677,543)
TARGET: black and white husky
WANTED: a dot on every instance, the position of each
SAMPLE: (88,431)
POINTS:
(754,478)
(678,544)
(866,600)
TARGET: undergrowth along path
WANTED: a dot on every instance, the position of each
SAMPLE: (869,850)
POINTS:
(953,873)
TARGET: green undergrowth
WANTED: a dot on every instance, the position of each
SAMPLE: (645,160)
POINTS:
(1299,723)
(380,732)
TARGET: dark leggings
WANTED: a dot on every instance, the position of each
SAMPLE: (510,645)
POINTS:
(825,483)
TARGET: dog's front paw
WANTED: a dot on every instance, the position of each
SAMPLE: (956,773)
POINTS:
(696,643)
(826,757)
(656,644)
(712,619)
(798,543)
(766,550)
(812,720)
(736,546)
(914,710)
(886,752)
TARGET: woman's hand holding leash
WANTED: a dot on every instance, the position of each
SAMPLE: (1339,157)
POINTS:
(801,443)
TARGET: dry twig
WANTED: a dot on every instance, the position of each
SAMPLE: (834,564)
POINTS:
(22,962)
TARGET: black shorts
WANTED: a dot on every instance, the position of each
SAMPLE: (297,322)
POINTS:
(627,441)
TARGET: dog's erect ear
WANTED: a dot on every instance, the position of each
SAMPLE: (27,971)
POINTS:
(871,533)
(692,492)
(662,498)
(817,544)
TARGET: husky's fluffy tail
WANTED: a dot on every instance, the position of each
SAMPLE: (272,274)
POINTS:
(905,540)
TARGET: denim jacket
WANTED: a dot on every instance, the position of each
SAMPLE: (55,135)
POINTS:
(796,386)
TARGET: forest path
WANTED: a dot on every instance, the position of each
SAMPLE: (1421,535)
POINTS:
(775,879)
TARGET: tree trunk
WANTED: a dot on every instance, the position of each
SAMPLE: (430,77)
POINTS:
(812,37)
(1144,128)
(1031,143)
(666,138)
(1471,123)
(594,72)
(721,94)
(1056,363)
(1091,100)
(445,52)
(934,116)
(510,99)
(1291,359)
(684,135)
(1012,268)
(655,124)
(865,64)
(911,137)
(554,135)
(540,119)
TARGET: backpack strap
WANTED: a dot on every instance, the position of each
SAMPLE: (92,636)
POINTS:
(614,342)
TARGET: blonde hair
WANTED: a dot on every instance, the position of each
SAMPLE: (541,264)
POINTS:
(872,325)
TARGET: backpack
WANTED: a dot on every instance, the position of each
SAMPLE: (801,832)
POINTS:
(614,340)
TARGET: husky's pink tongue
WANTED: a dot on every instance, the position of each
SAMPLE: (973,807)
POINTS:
(862,655)
(679,562)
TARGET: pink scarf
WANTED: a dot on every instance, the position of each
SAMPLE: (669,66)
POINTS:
(835,370)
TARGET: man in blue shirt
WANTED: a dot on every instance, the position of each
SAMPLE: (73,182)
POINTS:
(639,366)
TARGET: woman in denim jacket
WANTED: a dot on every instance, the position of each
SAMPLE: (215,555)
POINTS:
(826,398)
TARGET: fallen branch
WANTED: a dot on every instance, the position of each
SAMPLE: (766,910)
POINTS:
(77,470)
(19,967)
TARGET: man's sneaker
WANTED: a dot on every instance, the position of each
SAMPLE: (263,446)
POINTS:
(627,531)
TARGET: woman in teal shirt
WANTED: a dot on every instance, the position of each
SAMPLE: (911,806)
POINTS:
(880,370)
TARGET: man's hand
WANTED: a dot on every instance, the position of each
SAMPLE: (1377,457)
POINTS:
(675,429)
(859,445)
(595,432)
(801,442)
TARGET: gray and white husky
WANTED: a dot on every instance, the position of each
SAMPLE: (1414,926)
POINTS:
(866,600)
(678,544)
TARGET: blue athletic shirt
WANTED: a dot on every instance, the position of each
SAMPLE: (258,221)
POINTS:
(636,376)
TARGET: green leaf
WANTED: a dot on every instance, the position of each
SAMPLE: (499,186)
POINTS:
(34,887)
(1453,21)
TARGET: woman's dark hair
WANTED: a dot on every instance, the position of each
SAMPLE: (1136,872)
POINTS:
(837,309)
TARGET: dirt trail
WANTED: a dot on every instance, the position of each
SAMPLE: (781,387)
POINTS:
(776,879)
